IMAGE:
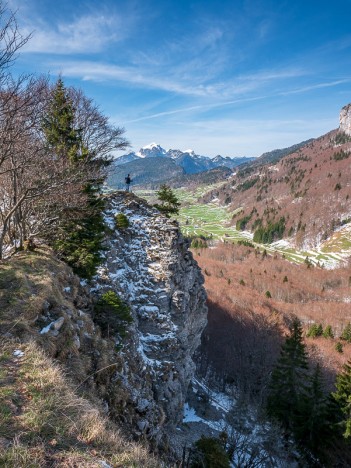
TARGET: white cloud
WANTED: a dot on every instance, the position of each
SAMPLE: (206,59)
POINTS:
(85,35)
(91,71)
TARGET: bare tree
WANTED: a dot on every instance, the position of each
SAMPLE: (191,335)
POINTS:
(11,40)
(37,188)
(99,137)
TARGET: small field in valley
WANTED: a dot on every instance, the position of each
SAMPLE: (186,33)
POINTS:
(213,220)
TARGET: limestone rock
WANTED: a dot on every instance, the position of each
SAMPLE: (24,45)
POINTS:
(345,119)
(149,266)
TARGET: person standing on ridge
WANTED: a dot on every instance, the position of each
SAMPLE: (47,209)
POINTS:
(128,181)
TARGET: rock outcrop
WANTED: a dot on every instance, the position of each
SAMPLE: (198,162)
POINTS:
(139,370)
(149,266)
(345,119)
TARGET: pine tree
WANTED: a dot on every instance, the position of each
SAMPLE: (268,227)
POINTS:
(58,125)
(80,242)
(81,245)
(169,202)
(328,332)
(315,331)
(314,414)
(346,333)
(288,381)
(342,396)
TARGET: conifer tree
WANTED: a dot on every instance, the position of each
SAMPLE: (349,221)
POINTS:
(169,202)
(342,396)
(346,333)
(328,332)
(288,381)
(314,414)
(58,125)
(80,240)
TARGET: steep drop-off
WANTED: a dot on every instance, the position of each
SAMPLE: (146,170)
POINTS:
(137,372)
(149,265)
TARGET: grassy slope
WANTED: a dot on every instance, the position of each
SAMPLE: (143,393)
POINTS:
(43,419)
(43,422)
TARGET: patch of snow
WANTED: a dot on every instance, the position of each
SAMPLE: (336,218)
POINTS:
(67,289)
(157,338)
(18,353)
(104,464)
(191,416)
(150,362)
(45,329)
(282,243)
(56,325)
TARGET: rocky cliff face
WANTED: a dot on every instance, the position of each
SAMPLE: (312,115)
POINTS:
(345,119)
(148,264)
(137,372)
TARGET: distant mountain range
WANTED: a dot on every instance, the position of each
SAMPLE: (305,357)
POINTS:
(152,164)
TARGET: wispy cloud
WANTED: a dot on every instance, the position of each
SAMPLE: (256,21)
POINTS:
(195,108)
(312,87)
(87,34)
(209,106)
(91,71)
(174,80)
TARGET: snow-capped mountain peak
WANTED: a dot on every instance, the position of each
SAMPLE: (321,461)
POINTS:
(151,151)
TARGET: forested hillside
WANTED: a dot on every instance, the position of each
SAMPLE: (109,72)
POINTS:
(304,197)
(253,300)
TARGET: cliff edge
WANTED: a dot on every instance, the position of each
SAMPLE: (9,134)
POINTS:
(136,372)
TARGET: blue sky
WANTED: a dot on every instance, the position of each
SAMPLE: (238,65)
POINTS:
(221,77)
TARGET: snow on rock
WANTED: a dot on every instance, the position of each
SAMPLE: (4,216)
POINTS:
(53,326)
(150,267)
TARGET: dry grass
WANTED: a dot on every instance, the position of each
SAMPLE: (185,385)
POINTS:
(45,423)
(43,420)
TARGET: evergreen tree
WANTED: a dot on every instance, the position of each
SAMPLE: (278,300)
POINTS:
(315,331)
(288,381)
(209,453)
(58,125)
(169,202)
(81,243)
(314,414)
(80,240)
(342,396)
(346,333)
(328,332)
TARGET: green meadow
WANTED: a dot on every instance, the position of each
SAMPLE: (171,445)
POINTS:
(213,221)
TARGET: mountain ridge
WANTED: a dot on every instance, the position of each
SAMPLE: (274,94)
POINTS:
(178,156)
(306,191)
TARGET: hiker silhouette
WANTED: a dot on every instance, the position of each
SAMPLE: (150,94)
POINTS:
(128,182)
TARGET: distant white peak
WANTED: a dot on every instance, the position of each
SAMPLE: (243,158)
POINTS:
(151,146)
(190,151)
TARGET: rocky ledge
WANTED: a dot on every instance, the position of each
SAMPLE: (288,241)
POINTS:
(148,264)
